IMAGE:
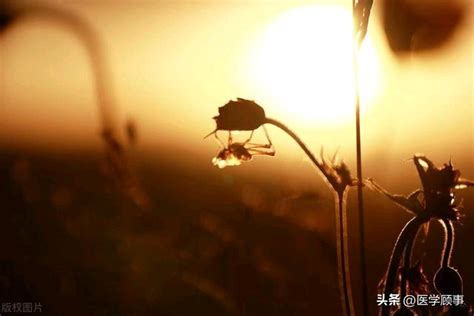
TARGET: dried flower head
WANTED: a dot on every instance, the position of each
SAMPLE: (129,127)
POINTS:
(337,173)
(438,187)
(239,115)
(436,198)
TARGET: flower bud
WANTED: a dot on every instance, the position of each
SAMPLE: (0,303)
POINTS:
(448,281)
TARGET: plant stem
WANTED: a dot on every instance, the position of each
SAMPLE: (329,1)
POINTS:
(407,264)
(448,242)
(298,140)
(360,197)
(107,111)
(343,255)
(341,226)
(408,232)
(88,35)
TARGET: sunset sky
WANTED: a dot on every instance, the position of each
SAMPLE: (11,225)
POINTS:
(156,228)
(173,63)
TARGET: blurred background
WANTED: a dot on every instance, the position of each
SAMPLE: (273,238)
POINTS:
(151,227)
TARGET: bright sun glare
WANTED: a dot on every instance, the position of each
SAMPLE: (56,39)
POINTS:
(302,65)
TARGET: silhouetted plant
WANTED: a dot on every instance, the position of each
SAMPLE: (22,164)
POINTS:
(360,15)
(246,115)
(116,161)
(436,200)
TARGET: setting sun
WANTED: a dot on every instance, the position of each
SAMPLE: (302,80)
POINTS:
(302,65)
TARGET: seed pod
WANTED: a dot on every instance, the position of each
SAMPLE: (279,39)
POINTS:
(448,281)
(240,115)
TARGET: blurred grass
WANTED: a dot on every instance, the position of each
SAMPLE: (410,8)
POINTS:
(78,246)
(211,242)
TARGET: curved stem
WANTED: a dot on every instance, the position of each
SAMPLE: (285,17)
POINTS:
(408,232)
(448,242)
(341,225)
(298,140)
(115,155)
(88,35)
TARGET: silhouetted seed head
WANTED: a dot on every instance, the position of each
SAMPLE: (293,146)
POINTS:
(436,198)
(232,156)
(416,279)
(240,115)
(448,281)
(403,312)
(438,187)
(337,174)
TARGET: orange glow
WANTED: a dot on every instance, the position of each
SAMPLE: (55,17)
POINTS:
(303,65)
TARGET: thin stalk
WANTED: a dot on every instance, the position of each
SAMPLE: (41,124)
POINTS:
(343,255)
(107,111)
(298,140)
(448,242)
(408,232)
(341,226)
(360,197)
(407,265)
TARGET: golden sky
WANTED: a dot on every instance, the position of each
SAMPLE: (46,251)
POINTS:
(172,63)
